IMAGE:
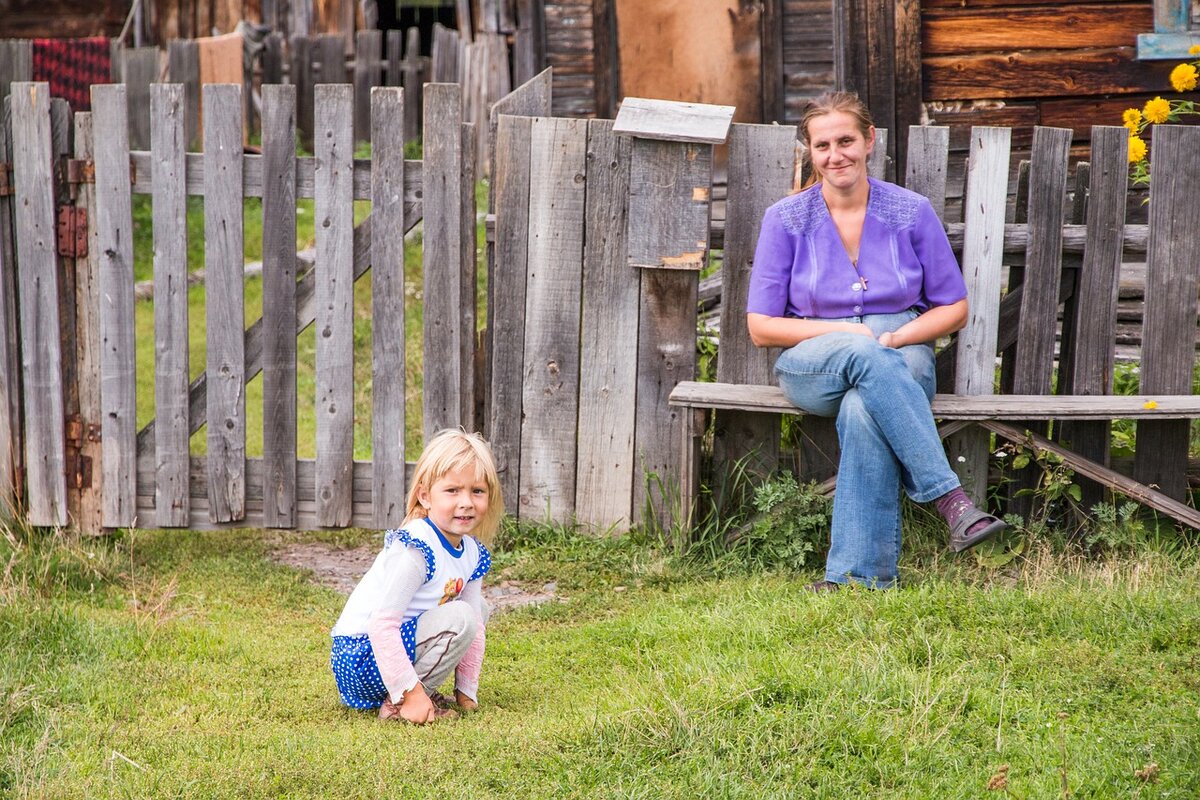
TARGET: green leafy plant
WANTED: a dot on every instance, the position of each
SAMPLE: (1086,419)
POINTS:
(1156,111)
(1115,528)
(789,529)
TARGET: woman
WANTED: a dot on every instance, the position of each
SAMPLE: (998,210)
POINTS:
(855,277)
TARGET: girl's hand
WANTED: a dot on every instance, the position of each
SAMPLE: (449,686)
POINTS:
(464,702)
(416,707)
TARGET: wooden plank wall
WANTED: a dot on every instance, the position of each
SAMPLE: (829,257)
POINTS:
(807,53)
(570,51)
(1052,63)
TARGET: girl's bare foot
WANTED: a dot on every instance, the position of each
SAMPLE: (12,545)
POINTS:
(464,702)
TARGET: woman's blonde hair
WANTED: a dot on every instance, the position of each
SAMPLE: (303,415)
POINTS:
(828,103)
(451,450)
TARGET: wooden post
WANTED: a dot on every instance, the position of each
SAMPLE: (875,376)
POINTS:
(301,75)
(907,87)
(1171,287)
(605,61)
(183,66)
(279,305)
(224,302)
(331,51)
(608,355)
(272,59)
(334,215)
(468,282)
(172,460)
(529,49)
(443,254)
(140,70)
(667,238)
(387,306)
(987,191)
(413,85)
(772,84)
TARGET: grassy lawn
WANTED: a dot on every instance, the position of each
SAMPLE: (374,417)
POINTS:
(179,664)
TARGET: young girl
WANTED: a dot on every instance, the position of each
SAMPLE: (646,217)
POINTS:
(418,615)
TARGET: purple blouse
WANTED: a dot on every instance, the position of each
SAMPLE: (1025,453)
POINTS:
(801,268)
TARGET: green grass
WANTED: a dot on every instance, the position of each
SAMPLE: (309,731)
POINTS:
(183,664)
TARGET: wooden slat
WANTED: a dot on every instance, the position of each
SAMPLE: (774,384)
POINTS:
(1065,27)
(90,515)
(907,43)
(986,195)
(558,151)
(669,202)
(279,306)
(330,51)
(1096,310)
(141,69)
(1043,261)
(394,45)
(771,33)
(168,109)
(608,351)
(60,149)
(114,226)
(413,85)
(442,255)
(272,59)
(506,317)
(368,72)
(252,176)
(673,121)
(1168,352)
(529,41)
(16,63)
(387,307)
(770,399)
(224,301)
(301,75)
(928,149)
(760,170)
(11,440)
(183,66)
(881,74)
(468,282)
(333,137)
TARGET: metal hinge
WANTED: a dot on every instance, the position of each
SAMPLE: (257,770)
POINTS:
(72,232)
(81,170)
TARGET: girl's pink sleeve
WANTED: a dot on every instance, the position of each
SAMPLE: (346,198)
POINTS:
(466,674)
(406,574)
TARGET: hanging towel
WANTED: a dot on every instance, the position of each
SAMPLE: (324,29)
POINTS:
(71,66)
(221,59)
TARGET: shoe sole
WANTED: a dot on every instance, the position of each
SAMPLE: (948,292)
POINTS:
(979,538)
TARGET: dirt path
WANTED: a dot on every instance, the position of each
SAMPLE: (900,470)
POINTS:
(340,569)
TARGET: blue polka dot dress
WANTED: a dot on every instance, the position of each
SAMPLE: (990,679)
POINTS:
(355,670)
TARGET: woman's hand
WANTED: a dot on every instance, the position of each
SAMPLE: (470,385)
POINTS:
(890,339)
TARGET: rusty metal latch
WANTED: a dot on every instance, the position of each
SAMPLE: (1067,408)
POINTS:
(6,185)
(81,170)
(72,232)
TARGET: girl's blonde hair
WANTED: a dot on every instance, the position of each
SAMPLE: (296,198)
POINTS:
(828,103)
(451,450)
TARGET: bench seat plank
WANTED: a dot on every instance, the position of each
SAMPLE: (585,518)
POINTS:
(741,397)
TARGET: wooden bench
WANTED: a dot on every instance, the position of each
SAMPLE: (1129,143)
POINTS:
(1022,331)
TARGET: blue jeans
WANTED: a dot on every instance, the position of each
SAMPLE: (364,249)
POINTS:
(880,396)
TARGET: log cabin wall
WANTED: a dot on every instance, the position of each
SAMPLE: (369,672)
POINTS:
(28,19)
(569,48)
(807,54)
(1020,64)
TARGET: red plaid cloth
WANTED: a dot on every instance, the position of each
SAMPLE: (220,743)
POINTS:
(71,66)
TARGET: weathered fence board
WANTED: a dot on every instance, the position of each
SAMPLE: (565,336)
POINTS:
(467,281)
(981,260)
(368,72)
(38,291)
(139,70)
(301,75)
(168,109)
(1168,329)
(387,307)
(506,317)
(553,286)
(442,182)
(183,66)
(413,85)
(224,301)
(331,55)
(608,352)
(279,306)
(760,171)
(16,63)
(925,166)
(11,448)
(1096,309)
(333,137)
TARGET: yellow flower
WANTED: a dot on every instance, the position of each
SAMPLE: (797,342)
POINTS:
(1137,149)
(1157,110)
(1194,50)
(1183,78)
(1132,118)
(1150,404)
